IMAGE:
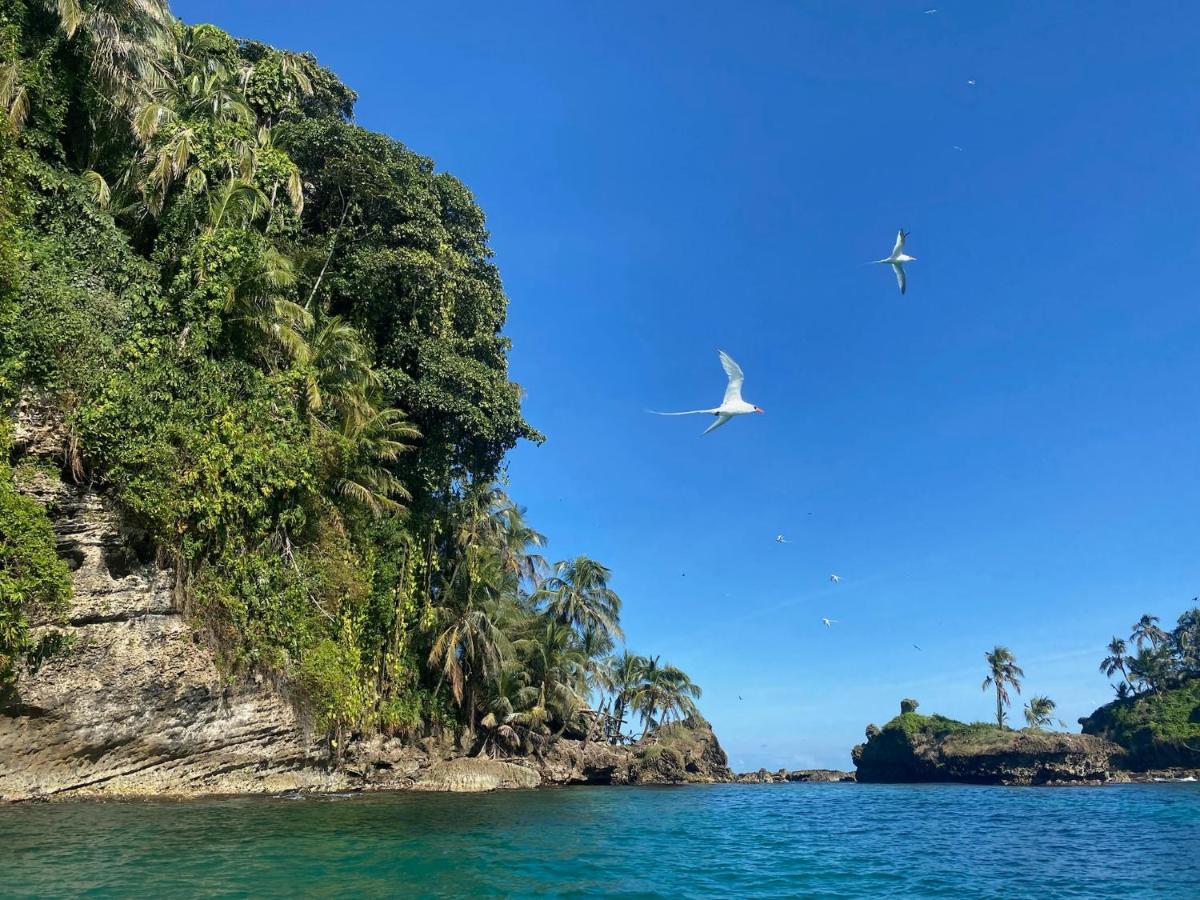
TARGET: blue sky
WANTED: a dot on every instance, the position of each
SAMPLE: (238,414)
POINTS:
(1007,454)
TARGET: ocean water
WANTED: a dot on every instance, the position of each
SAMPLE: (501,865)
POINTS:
(795,840)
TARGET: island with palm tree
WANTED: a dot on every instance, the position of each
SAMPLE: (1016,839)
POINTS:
(1151,729)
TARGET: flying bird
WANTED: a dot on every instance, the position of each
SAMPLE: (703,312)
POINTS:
(930,12)
(835,578)
(732,405)
(958,148)
(828,622)
(780,539)
(898,259)
(971,82)
(918,648)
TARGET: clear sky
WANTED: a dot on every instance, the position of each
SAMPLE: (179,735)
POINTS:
(1007,454)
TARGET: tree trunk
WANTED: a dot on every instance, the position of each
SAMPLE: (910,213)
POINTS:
(620,717)
(470,714)
(999,708)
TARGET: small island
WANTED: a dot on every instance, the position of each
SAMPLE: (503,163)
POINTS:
(1151,731)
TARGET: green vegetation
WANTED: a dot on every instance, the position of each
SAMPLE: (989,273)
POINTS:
(276,341)
(33,580)
(1156,716)
(1156,729)
(1164,659)
(936,726)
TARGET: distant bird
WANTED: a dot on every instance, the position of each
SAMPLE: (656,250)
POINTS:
(971,82)
(930,12)
(780,539)
(918,648)
(958,148)
(898,259)
(835,578)
(828,622)
(732,405)
(739,696)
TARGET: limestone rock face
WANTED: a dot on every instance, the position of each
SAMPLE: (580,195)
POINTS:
(134,705)
(475,774)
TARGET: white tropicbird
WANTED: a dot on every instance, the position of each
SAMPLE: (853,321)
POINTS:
(898,259)
(732,405)
(828,622)
(780,539)
(835,578)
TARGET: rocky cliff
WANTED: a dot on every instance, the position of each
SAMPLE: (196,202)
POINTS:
(917,748)
(135,704)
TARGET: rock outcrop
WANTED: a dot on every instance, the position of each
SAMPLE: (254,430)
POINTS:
(474,774)
(135,704)
(783,776)
(683,752)
(916,748)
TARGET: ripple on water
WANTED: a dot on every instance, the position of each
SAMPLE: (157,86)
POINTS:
(811,840)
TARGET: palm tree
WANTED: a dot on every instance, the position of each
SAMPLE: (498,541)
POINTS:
(1186,640)
(200,88)
(362,475)
(1038,712)
(506,720)
(469,646)
(1146,630)
(257,305)
(126,43)
(339,378)
(665,693)
(487,517)
(1116,660)
(235,204)
(578,595)
(14,98)
(1004,674)
(554,665)
(1152,668)
(622,676)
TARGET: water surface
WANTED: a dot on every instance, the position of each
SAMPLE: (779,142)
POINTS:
(799,840)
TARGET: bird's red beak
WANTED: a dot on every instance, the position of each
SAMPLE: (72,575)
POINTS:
(757,409)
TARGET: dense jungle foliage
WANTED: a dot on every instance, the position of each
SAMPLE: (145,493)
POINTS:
(276,339)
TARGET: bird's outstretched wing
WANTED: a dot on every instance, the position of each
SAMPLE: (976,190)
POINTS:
(721,420)
(900,236)
(733,391)
(686,412)
(900,279)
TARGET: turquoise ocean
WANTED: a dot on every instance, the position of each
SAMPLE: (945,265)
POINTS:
(793,840)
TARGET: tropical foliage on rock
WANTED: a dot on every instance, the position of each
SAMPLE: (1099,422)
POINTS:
(276,341)
(1160,660)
